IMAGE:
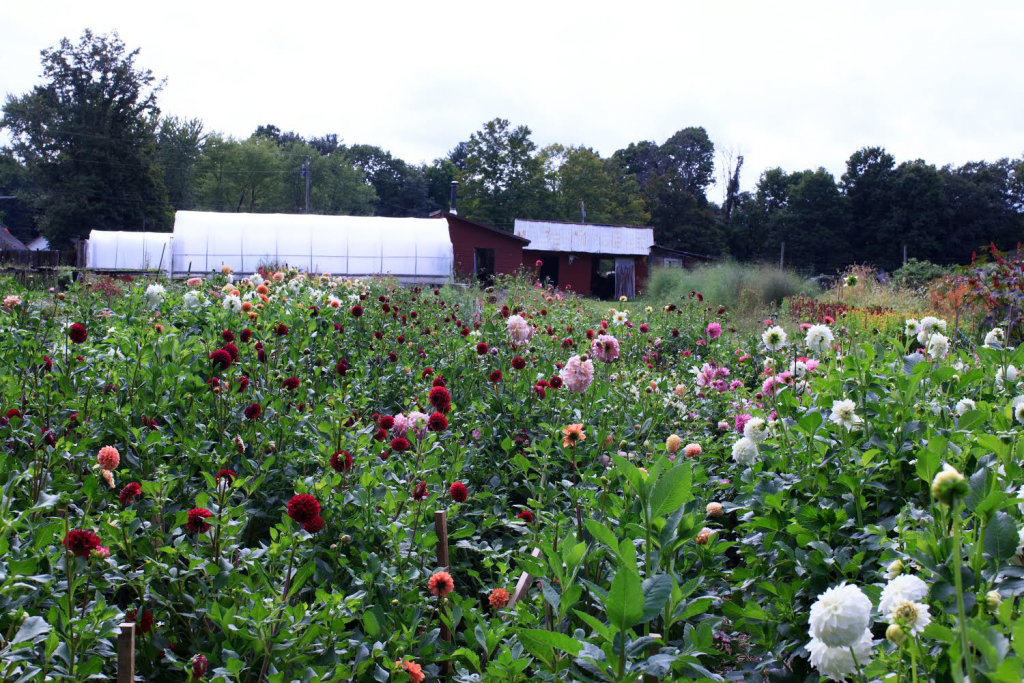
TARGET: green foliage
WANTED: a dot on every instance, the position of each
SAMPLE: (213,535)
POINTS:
(916,273)
(87,139)
(745,288)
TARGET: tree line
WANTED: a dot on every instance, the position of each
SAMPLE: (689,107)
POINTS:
(91,149)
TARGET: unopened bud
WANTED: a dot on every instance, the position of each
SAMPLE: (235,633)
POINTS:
(895,634)
(992,600)
(346,539)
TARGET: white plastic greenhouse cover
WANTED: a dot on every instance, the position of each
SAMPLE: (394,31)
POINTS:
(408,248)
(117,250)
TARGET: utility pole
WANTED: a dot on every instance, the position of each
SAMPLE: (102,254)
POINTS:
(305,172)
(782,255)
(583,211)
(904,254)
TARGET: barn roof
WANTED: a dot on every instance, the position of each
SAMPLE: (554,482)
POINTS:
(483,226)
(587,238)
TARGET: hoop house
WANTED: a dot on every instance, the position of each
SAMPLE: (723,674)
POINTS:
(134,251)
(411,249)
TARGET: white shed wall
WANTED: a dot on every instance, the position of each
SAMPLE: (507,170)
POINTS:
(135,251)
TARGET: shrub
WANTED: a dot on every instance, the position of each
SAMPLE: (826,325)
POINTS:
(916,273)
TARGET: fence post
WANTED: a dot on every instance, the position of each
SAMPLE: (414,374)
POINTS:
(126,654)
(523,584)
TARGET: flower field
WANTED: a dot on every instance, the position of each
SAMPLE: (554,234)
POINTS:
(252,471)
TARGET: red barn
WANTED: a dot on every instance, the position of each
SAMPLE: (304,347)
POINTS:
(481,251)
(606,261)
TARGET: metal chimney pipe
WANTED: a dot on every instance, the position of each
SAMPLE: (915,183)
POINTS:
(451,202)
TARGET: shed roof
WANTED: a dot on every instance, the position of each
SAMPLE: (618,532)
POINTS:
(483,226)
(588,238)
(9,241)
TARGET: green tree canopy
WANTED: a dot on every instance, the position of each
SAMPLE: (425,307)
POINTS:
(87,138)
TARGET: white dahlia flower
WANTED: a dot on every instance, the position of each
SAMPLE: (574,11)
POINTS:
(904,587)
(911,327)
(912,616)
(838,662)
(744,451)
(232,303)
(994,339)
(774,338)
(819,338)
(938,346)
(1010,376)
(964,405)
(756,430)
(840,615)
(843,413)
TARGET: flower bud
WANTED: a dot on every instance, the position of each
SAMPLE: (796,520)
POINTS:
(992,600)
(394,603)
(948,485)
(199,665)
(704,536)
(895,634)
(715,510)
(346,539)
(673,443)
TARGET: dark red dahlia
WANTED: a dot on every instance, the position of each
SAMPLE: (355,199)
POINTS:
(341,461)
(419,492)
(290,383)
(130,492)
(458,492)
(232,351)
(437,422)
(303,508)
(441,399)
(227,475)
(555,382)
(314,525)
(429,372)
(519,363)
(47,364)
(143,623)
(228,336)
(280,329)
(526,516)
(77,333)
(590,334)
(400,444)
(253,411)
(80,542)
(342,367)
(386,422)
(481,349)
(246,335)
(539,390)
(495,376)
(392,356)
(197,523)
(243,383)
(356,311)
(220,359)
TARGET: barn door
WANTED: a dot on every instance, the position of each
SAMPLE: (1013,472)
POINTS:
(625,277)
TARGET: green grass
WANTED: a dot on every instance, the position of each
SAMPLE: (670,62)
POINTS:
(743,288)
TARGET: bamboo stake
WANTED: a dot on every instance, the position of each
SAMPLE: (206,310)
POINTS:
(523,584)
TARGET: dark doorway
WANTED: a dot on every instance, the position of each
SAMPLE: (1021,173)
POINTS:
(625,277)
(602,277)
(549,270)
(483,265)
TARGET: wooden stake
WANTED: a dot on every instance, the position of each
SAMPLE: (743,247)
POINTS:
(126,654)
(441,529)
(523,584)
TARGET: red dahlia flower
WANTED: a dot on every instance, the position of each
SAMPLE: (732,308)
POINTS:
(526,516)
(232,351)
(303,508)
(130,492)
(246,335)
(144,623)
(386,422)
(419,492)
(290,383)
(440,399)
(220,359)
(197,523)
(81,542)
(228,336)
(437,422)
(518,363)
(440,584)
(243,383)
(77,333)
(555,382)
(481,349)
(314,525)
(458,492)
(47,364)
(253,411)
(341,461)
(495,376)
(342,367)
(280,329)
(356,311)
(400,445)
(227,474)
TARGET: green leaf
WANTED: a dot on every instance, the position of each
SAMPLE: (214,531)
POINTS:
(625,603)
(629,471)
(672,490)
(603,534)
(370,624)
(1001,537)
(558,641)
(300,578)
(656,590)
(31,629)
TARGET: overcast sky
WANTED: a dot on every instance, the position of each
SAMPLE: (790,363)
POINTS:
(797,85)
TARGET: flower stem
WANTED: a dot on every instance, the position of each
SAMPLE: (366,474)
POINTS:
(965,652)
